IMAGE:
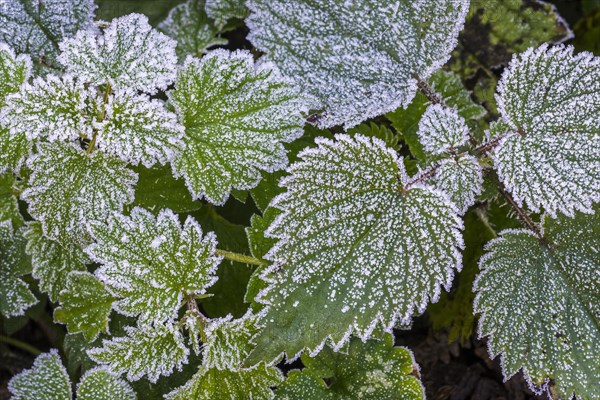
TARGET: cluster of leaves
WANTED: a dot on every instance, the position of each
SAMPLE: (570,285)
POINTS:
(121,139)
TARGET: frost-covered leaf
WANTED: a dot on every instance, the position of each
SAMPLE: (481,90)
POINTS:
(237,116)
(15,296)
(194,31)
(36,27)
(373,370)
(56,108)
(130,54)
(68,190)
(357,246)
(85,305)
(540,305)
(221,376)
(151,351)
(99,384)
(461,178)
(14,150)
(46,380)
(51,262)
(441,129)
(137,129)
(150,263)
(14,71)
(359,59)
(549,98)
(222,10)
(9,207)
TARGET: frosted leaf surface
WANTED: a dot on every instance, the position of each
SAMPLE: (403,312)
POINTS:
(56,108)
(51,262)
(68,190)
(193,30)
(539,305)
(14,71)
(221,376)
(37,26)
(130,54)
(222,10)
(99,384)
(9,207)
(374,370)
(150,263)
(46,380)
(15,296)
(357,58)
(237,116)
(441,129)
(14,150)
(461,178)
(356,247)
(85,305)
(151,351)
(137,129)
(549,99)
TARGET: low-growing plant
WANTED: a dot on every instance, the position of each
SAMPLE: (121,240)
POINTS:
(121,145)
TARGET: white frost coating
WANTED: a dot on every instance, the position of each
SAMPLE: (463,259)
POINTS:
(130,54)
(151,274)
(222,10)
(461,179)
(137,129)
(549,100)
(37,26)
(441,129)
(351,236)
(149,350)
(237,116)
(14,71)
(46,380)
(539,305)
(100,384)
(56,108)
(359,57)
(68,190)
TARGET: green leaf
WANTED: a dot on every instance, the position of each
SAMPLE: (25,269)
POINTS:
(539,305)
(56,108)
(193,30)
(220,375)
(68,190)
(373,370)
(382,132)
(360,62)
(550,156)
(75,347)
(51,262)
(15,296)
(85,305)
(158,189)
(99,384)
(358,246)
(14,71)
(237,116)
(150,263)
(461,178)
(14,150)
(442,130)
(223,10)
(46,380)
(9,207)
(36,28)
(151,351)
(130,55)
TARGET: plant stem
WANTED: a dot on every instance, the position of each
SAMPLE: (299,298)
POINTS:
(22,345)
(241,258)
(107,92)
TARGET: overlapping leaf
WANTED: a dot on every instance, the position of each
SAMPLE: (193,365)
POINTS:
(357,246)
(14,71)
(150,263)
(373,370)
(237,116)
(442,129)
(151,351)
(9,207)
(129,55)
(68,190)
(359,60)
(99,384)
(461,178)
(550,159)
(223,10)
(46,380)
(540,307)
(137,129)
